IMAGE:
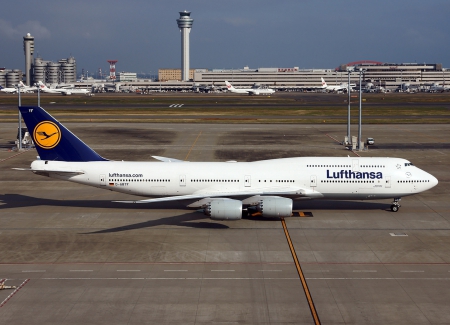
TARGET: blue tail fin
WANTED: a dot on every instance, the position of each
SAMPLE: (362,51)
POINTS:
(53,141)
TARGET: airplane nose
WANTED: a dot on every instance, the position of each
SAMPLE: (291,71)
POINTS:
(433,181)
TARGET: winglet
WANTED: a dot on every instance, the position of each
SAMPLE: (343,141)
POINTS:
(165,159)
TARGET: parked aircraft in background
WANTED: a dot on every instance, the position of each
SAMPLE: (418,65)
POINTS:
(341,87)
(438,88)
(23,88)
(249,91)
(8,90)
(62,91)
(223,189)
(27,89)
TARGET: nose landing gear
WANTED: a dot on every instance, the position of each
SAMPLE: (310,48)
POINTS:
(395,205)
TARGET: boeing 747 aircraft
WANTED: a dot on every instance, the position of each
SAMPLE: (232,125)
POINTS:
(223,189)
(249,91)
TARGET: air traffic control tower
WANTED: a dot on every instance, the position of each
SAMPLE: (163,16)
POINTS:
(28,49)
(185,24)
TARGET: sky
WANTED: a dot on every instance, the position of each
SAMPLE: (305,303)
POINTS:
(229,34)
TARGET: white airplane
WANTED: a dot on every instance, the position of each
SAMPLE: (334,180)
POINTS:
(24,88)
(341,87)
(249,91)
(62,91)
(224,190)
(8,90)
(438,88)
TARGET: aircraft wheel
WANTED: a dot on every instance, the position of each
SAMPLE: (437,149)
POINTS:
(394,208)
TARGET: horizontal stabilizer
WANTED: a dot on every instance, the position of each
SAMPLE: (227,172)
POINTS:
(37,171)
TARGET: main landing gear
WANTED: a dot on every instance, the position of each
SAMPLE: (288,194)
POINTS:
(395,205)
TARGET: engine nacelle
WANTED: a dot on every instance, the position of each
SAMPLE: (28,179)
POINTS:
(224,209)
(274,206)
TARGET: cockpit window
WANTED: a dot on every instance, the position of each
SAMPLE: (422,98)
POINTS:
(409,164)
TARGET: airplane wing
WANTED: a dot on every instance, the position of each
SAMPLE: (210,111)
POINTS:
(166,159)
(288,191)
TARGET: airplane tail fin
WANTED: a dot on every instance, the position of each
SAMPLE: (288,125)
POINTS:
(229,86)
(41,85)
(54,141)
(324,84)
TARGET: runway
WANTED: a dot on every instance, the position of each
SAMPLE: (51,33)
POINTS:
(80,258)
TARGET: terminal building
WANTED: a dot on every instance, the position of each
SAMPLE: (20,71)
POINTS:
(390,76)
(387,75)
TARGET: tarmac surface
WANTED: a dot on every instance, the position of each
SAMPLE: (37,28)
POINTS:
(77,257)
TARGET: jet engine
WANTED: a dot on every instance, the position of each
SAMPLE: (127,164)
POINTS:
(274,206)
(224,209)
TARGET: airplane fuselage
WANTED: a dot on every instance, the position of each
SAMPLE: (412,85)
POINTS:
(251,91)
(304,177)
(9,90)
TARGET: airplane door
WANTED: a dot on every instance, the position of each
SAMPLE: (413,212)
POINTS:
(102,180)
(388,182)
(355,165)
(247,181)
(182,180)
(313,182)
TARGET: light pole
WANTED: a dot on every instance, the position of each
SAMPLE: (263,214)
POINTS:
(349,71)
(39,94)
(361,71)
(19,146)
(401,80)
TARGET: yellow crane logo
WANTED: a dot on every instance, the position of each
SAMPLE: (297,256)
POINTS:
(47,135)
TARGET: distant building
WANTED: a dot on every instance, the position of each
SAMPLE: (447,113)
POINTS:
(10,78)
(127,76)
(397,73)
(173,74)
(63,71)
(381,74)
